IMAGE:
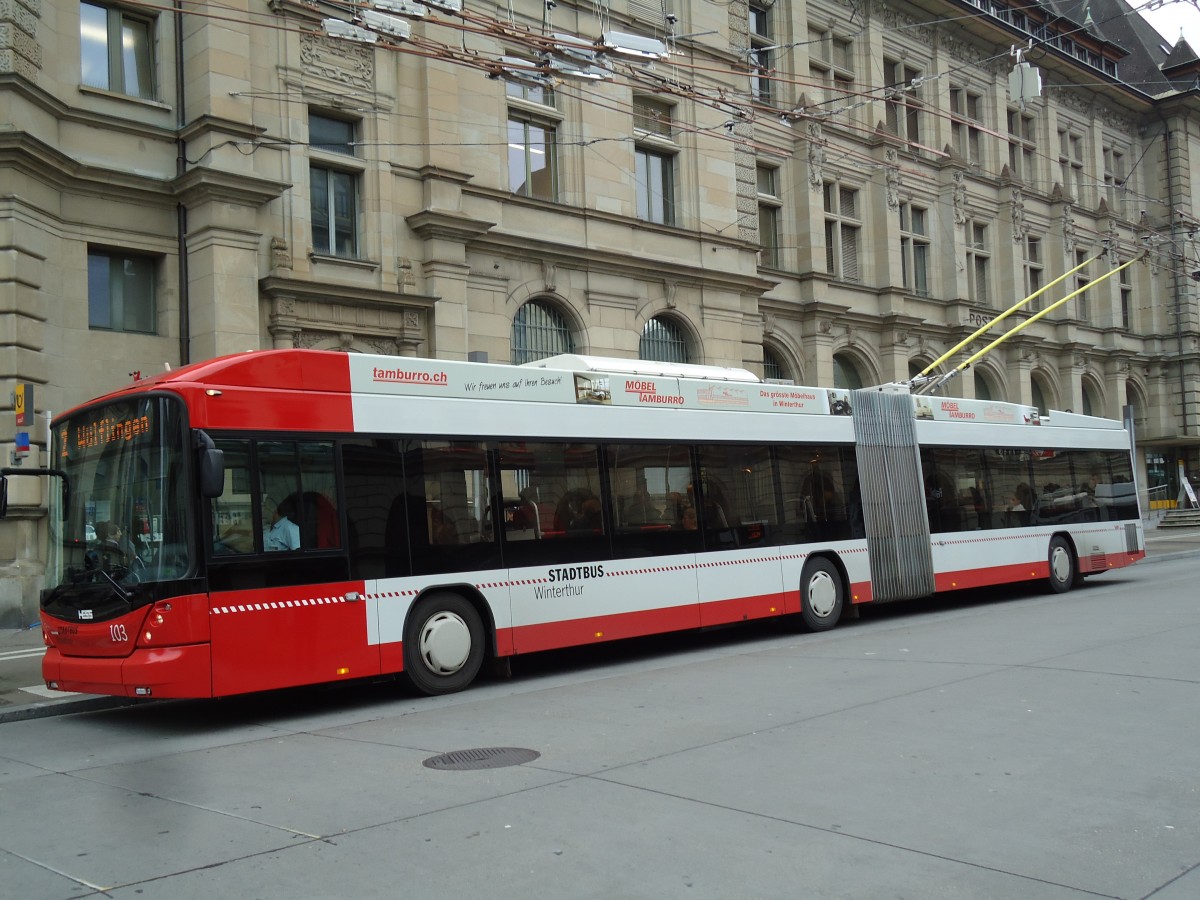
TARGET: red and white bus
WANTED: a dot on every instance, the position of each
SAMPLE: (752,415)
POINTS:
(293,517)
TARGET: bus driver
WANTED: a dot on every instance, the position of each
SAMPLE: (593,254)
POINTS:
(282,533)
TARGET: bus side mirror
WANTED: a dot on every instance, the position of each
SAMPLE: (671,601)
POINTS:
(212,472)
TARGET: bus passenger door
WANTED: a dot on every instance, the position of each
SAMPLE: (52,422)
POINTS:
(284,608)
(738,575)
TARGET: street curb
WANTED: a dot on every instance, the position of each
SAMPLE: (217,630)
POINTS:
(63,708)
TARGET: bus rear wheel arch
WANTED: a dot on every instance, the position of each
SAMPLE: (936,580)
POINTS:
(1063,569)
(444,643)
(822,594)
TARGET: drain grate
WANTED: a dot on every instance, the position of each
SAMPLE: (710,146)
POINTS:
(481,758)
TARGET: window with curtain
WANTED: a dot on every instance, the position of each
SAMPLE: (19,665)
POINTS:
(116,50)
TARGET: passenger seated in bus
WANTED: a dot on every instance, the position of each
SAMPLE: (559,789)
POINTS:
(1020,505)
(441,529)
(639,509)
(688,519)
(578,510)
(282,533)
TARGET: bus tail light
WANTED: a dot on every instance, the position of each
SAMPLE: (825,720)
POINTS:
(180,620)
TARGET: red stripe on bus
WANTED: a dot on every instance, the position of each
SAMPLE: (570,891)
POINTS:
(591,630)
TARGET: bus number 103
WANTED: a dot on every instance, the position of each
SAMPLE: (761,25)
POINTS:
(118,634)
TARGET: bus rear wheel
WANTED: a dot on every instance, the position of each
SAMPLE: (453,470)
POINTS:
(443,644)
(1062,565)
(822,596)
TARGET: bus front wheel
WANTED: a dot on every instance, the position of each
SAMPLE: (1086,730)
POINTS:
(1062,565)
(443,644)
(821,595)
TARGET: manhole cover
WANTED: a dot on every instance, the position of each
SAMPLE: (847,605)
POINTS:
(481,758)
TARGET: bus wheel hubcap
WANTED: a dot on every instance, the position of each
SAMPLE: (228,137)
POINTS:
(1060,563)
(822,595)
(445,643)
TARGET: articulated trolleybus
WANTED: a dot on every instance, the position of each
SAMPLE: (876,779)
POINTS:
(292,517)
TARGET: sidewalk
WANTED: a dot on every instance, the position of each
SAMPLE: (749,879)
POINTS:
(23,695)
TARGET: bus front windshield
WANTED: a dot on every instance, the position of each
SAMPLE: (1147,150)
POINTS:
(120,521)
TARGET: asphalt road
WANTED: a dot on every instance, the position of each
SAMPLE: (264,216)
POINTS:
(1005,743)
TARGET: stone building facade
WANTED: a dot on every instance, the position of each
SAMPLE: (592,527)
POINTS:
(830,193)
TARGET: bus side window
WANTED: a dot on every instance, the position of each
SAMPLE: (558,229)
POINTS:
(375,512)
(234,512)
(445,519)
(739,492)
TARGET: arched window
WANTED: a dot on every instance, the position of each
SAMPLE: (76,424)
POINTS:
(1091,405)
(1039,399)
(983,390)
(845,373)
(663,341)
(539,330)
(774,368)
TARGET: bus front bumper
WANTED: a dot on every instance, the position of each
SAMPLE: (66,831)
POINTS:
(166,672)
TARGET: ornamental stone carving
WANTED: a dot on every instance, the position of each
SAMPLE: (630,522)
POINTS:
(1019,225)
(344,62)
(1068,228)
(894,178)
(816,156)
(281,255)
(960,198)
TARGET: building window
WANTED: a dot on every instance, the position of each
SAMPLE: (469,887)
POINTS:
(1114,180)
(769,206)
(774,368)
(914,249)
(1081,283)
(1022,151)
(116,50)
(1126,299)
(1034,270)
(655,186)
(982,390)
(1038,398)
(831,64)
(1070,163)
(904,106)
(652,117)
(654,158)
(334,189)
(843,229)
(539,330)
(663,341)
(1091,406)
(966,122)
(331,135)
(978,263)
(531,93)
(121,292)
(845,373)
(532,157)
(761,46)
